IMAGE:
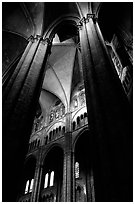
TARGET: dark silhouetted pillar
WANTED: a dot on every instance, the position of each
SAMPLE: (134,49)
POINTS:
(19,106)
(109,116)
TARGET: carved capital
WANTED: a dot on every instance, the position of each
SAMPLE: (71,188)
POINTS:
(46,41)
(31,38)
(85,20)
(92,16)
(79,25)
(38,37)
(81,22)
(34,39)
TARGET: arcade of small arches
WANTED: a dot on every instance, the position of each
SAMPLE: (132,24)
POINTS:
(54,134)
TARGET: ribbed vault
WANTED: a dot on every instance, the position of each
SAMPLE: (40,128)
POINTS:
(62,64)
(23,19)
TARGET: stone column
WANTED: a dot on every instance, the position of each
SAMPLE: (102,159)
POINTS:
(109,117)
(19,108)
(39,184)
(9,80)
(69,177)
(24,61)
(73,176)
(68,162)
(35,185)
(37,178)
(64,179)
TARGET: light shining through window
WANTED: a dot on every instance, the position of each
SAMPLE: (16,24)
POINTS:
(46,180)
(76,170)
(52,178)
(27,187)
(31,185)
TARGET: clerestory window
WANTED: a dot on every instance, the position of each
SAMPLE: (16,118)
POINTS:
(76,170)
(49,179)
(29,186)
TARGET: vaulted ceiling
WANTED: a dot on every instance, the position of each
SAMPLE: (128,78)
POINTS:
(20,20)
(63,68)
(63,74)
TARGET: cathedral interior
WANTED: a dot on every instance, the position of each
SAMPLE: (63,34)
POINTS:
(67,78)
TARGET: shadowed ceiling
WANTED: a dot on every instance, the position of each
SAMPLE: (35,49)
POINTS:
(20,20)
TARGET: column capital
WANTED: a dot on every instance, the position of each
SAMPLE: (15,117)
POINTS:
(93,16)
(34,38)
(31,38)
(79,25)
(86,20)
(46,41)
(90,15)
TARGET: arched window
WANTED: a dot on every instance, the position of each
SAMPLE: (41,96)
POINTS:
(81,116)
(31,185)
(46,181)
(50,135)
(63,129)
(85,115)
(56,130)
(76,170)
(59,129)
(75,103)
(78,120)
(52,178)
(27,187)
(46,140)
(74,124)
(53,133)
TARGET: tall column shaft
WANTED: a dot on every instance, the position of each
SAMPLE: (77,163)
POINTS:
(38,190)
(7,77)
(15,84)
(64,187)
(37,178)
(68,157)
(73,176)
(19,109)
(110,119)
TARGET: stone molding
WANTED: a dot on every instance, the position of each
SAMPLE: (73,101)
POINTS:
(86,20)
